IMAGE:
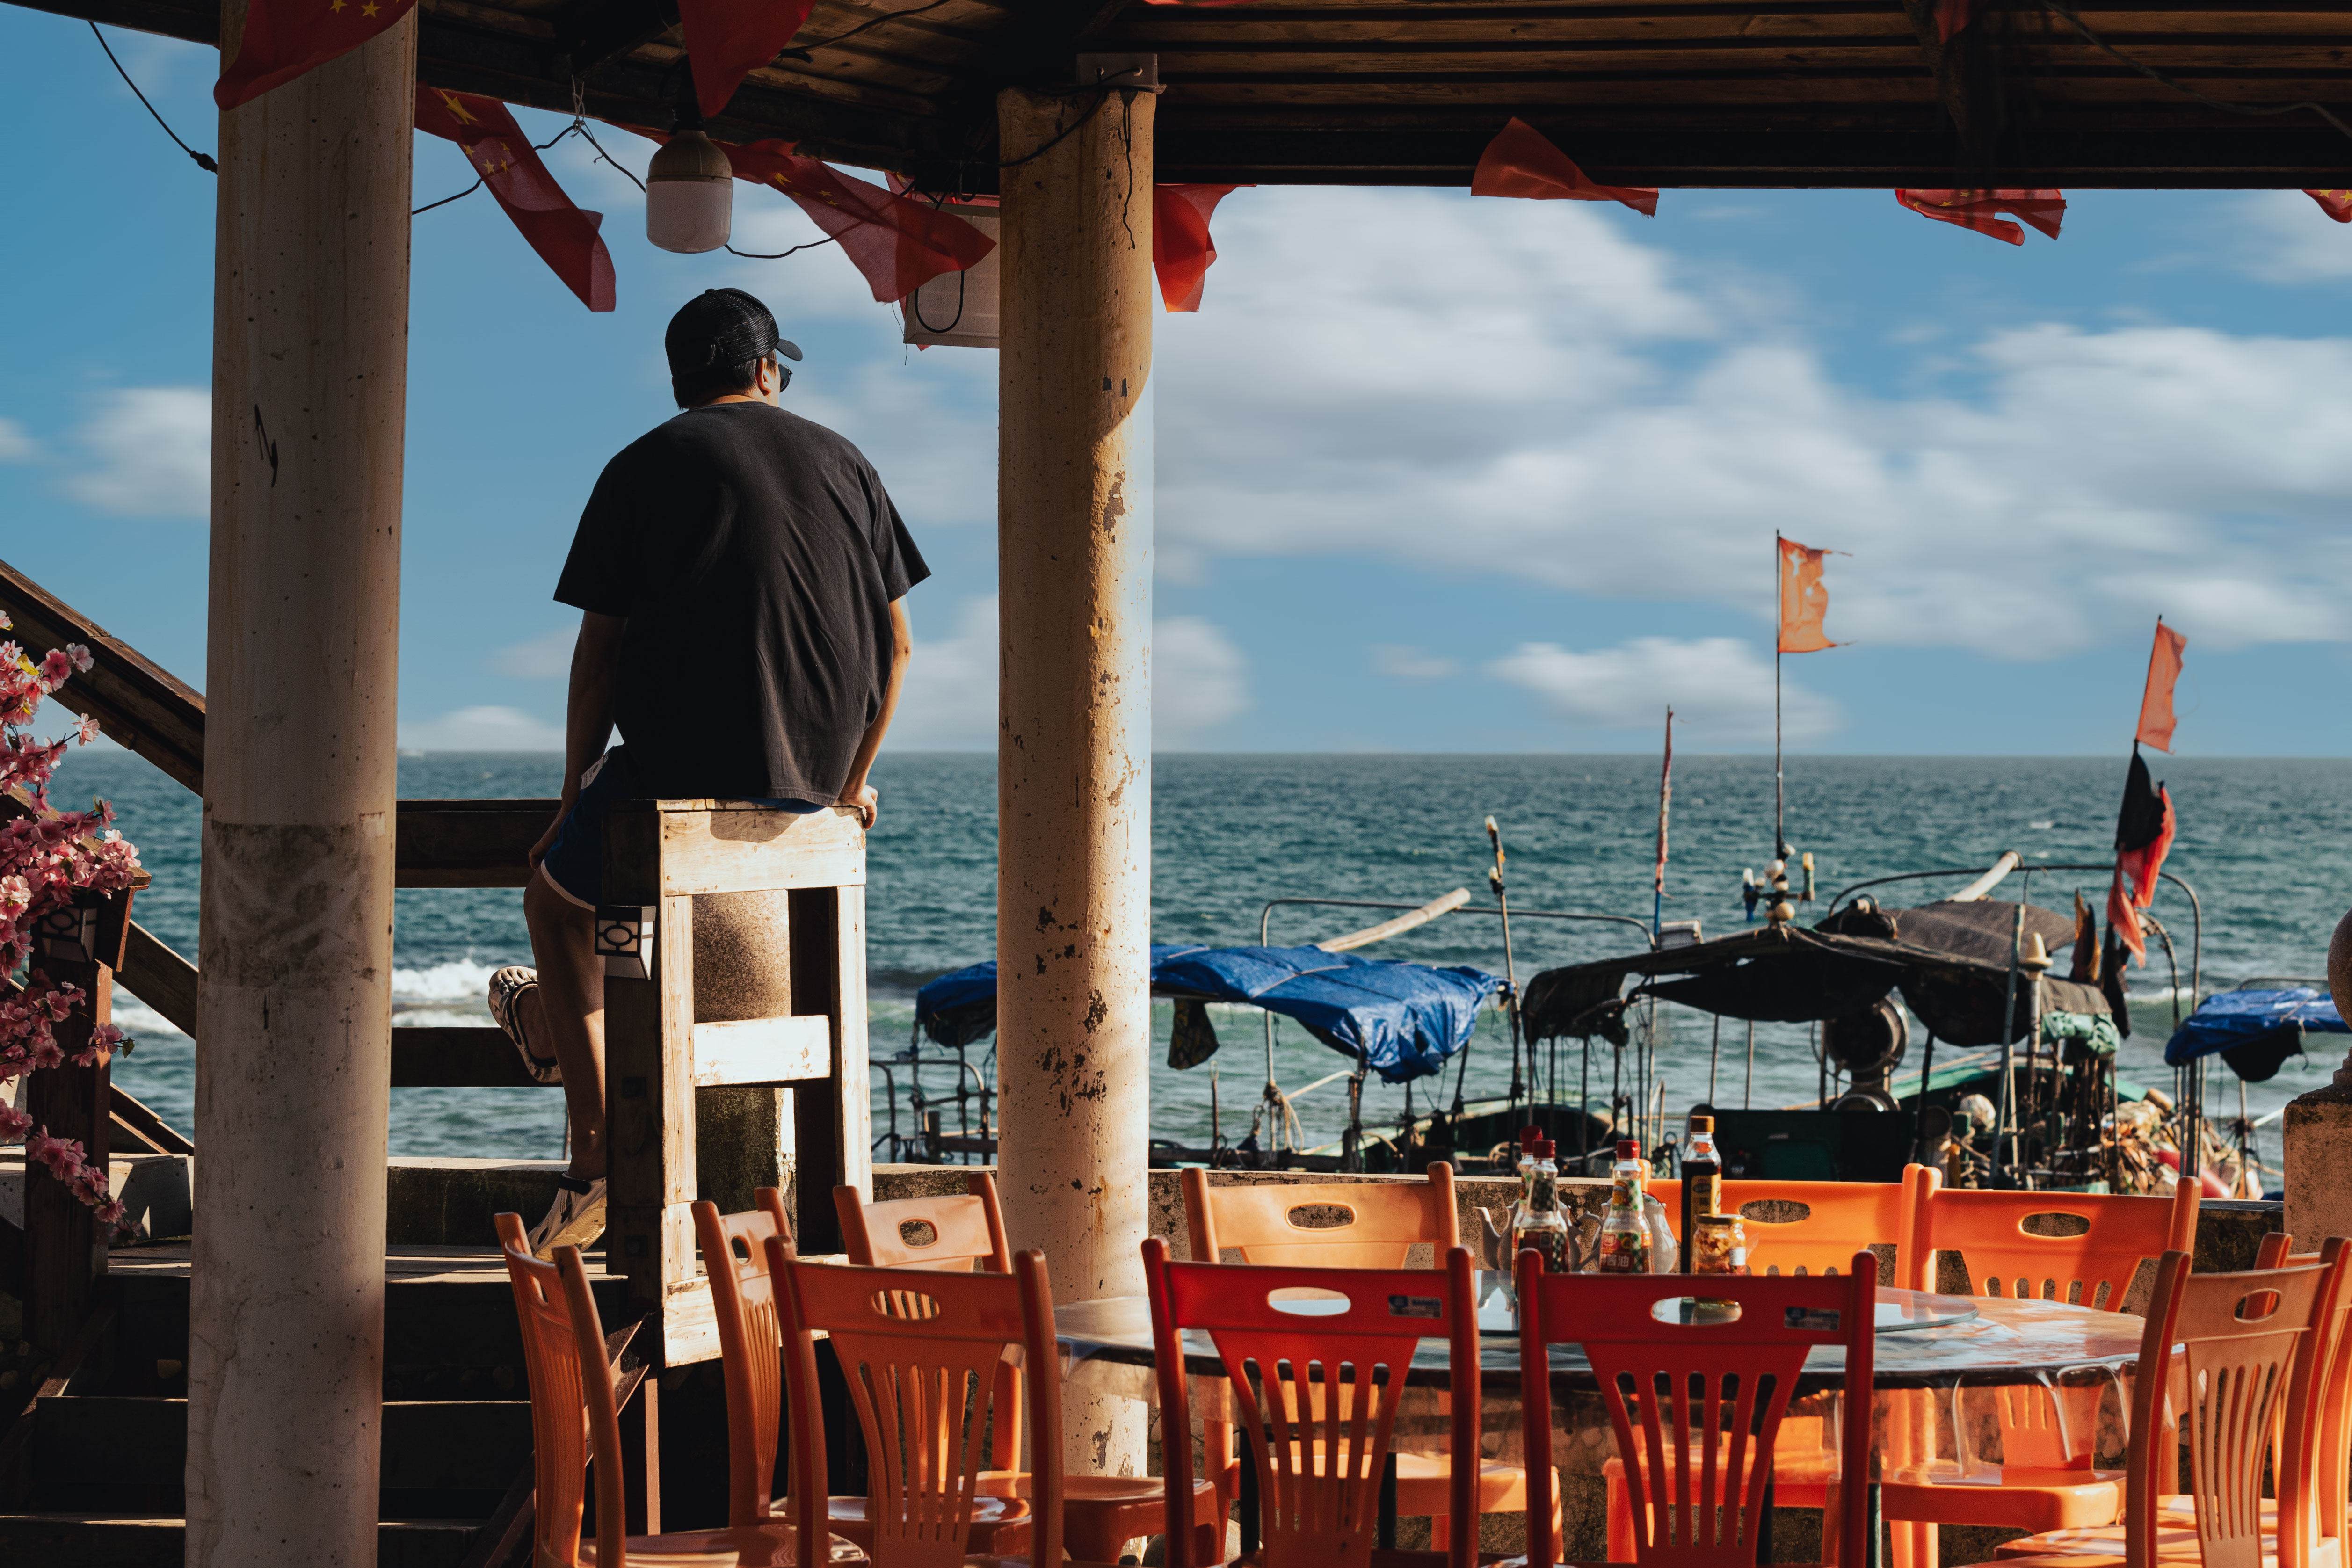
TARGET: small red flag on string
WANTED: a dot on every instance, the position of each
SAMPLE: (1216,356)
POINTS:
(564,235)
(726,40)
(1181,251)
(1804,599)
(2337,205)
(1521,162)
(1951,16)
(1976,210)
(2156,698)
(898,243)
(284,39)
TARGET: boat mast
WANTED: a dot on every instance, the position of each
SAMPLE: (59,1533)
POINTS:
(1780,566)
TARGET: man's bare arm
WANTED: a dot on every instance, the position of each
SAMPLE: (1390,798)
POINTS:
(587,711)
(856,791)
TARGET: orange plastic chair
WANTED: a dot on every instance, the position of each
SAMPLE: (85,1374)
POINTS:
(2248,1346)
(1695,1407)
(2309,1443)
(962,1235)
(2043,1485)
(1842,1219)
(743,1303)
(575,1417)
(919,1350)
(1318,1380)
(1383,1220)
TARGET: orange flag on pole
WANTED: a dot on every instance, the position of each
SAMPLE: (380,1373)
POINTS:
(1804,599)
(1521,162)
(2156,698)
(284,39)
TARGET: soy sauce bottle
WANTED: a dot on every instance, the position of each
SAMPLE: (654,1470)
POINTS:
(1702,1185)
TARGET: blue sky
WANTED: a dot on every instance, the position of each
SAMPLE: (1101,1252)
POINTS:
(1436,473)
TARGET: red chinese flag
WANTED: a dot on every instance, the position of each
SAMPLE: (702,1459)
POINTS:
(284,39)
(564,236)
(1521,162)
(898,243)
(1804,599)
(1181,251)
(1951,16)
(1976,210)
(726,40)
(2337,205)
(2156,698)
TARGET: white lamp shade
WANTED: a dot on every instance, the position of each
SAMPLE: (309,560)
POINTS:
(689,215)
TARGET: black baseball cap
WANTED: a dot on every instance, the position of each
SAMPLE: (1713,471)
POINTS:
(723,327)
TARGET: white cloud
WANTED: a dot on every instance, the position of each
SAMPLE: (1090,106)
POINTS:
(483,728)
(15,445)
(1719,688)
(1200,680)
(2288,240)
(150,448)
(1400,662)
(541,659)
(1523,389)
(949,703)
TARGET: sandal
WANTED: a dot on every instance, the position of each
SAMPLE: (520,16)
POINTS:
(575,1219)
(507,988)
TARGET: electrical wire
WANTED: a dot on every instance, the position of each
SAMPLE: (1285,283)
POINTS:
(779,255)
(803,49)
(1102,96)
(444,201)
(577,124)
(203,161)
(2058,8)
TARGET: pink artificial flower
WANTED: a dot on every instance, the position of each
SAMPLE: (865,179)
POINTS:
(47,1053)
(57,669)
(111,1213)
(14,1124)
(81,657)
(87,731)
(63,1156)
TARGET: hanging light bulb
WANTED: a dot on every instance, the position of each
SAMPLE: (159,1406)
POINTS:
(689,193)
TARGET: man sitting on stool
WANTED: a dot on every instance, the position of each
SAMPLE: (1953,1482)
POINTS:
(740,576)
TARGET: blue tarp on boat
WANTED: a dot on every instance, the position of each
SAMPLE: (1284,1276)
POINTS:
(2253,1031)
(1402,1020)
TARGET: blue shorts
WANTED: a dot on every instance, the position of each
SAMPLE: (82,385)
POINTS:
(575,864)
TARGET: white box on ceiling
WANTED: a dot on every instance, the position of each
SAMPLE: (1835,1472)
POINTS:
(958,309)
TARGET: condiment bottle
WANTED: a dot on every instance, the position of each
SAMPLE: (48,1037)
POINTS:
(1539,1225)
(1720,1246)
(1624,1246)
(1702,1173)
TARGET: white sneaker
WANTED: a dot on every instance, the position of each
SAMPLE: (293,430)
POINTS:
(507,987)
(576,1218)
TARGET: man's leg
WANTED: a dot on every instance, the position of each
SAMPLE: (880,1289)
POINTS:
(566,1011)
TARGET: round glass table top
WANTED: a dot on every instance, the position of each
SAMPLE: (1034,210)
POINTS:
(1899,1311)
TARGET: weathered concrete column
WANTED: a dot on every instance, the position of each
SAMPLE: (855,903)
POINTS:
(2318,1133)
(294,1011)
(1074,741)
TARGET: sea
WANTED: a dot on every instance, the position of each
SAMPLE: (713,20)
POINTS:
(2261,842)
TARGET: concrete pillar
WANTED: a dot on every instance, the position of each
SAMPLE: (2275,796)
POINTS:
(294,1008)
(2319,1150)
(1073,742)
(742,969)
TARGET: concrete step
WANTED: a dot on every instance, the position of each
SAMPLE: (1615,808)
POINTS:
(429,1445)
(118,1541)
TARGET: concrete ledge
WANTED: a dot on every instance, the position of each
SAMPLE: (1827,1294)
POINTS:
(450,1203)
(2319,1164)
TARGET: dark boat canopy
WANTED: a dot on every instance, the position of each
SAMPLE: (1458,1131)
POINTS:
(1949,961)
(1401,1020)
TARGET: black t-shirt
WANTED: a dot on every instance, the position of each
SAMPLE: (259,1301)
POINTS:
(755,555)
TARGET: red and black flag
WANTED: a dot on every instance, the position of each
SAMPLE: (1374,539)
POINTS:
(565,236)
(2143,837)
